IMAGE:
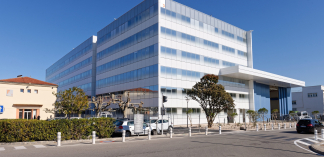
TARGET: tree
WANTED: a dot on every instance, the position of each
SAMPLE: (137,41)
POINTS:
(292,114)
(72,100)
(100,104)
(253,116)
(262,112)
(233,115)
(315,113)
(211,96)
(125,105)
(189,114)
(274,114)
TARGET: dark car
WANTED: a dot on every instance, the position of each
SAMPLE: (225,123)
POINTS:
(308,125)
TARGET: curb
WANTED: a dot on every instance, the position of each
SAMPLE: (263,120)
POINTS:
(317,148)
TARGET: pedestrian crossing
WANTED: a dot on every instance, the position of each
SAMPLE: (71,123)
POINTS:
(21,147)
(308,141)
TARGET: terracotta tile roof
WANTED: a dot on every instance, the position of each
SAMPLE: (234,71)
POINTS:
(27,80)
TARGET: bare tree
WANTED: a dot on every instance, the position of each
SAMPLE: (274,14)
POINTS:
(125,105)
(100,104)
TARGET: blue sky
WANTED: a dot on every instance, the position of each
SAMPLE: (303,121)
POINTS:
(288,36)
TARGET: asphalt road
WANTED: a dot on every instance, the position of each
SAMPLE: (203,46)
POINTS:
(262,143)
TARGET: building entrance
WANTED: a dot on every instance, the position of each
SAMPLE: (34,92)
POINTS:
(274,101)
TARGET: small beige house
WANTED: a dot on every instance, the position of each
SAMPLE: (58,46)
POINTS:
(26,98)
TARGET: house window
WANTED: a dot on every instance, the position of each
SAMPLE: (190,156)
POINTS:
(21,90)
(36,91)
(294,102)
(233,95)
(310,95)
(28,90)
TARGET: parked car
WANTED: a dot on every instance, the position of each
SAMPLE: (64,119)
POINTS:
(128,126)
(307,117)
(75,118)
(308,125)
(156,125)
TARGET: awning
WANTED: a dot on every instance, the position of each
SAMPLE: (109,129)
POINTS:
(27,105)
(263,77)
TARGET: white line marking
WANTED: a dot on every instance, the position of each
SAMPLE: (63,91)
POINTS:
(304,143)
(20,147)
(311,140)
(295,142)
(39,146)
(2,148)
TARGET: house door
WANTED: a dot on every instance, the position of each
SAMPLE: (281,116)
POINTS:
(27,114)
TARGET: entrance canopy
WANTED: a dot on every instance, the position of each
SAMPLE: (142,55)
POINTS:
(263,77)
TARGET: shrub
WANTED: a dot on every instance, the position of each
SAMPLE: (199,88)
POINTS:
(21,130)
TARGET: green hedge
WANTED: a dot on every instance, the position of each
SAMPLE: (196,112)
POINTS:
(20,130)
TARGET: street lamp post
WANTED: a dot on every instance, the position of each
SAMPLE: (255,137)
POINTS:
(187,99)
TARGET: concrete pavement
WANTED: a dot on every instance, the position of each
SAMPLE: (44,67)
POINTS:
(250,143)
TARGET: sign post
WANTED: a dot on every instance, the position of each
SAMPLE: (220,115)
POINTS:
(1,109)
(138,123)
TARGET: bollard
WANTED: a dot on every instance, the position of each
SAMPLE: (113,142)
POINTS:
(290,125)
(170,132)
(220,129)
(257,127)
(93,137)
(272,126)
(124,135)
(206,133)
(295,124)
(278,126)
(58,139)
(285,125)
(149,134)
(315,133)
(322,132)
(189,131)
(265,127)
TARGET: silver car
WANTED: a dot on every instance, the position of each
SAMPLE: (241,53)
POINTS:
(128,126)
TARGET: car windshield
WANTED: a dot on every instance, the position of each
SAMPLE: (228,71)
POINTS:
(153,121)
(304,114)
(118,123)
(304,122)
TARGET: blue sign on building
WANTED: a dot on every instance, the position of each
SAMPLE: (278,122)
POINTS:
(1,108)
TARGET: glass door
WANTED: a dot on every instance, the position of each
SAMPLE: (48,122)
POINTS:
(27,114)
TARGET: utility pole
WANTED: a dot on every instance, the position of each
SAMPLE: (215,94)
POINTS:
(187,98)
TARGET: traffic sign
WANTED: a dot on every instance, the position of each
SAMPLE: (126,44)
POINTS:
(1,109)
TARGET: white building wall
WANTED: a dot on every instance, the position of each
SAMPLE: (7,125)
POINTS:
(309,104)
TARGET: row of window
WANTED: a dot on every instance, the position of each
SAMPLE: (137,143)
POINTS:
(129,59)
(184,110)
(241,39)
(85,87)
(185,20)
(191,57)
(175,73)
(28,91)
(132,18)
(233,82)
(76,78)
(139,93)
(241,53)
(294,102)
(69,60)
(132,40)
(312,95)
(189,39)
(72,69)
(228,34)
(143,73)
(192,40)
(228,49)
(240,98)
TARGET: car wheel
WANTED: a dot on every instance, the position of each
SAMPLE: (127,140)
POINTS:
(298,131)
(128,134)
(154,132)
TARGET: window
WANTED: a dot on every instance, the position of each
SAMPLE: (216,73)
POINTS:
(241,53)
(242,96)
(294,109)
(28,90)
(228,34)
(233,95)
(20,113)
(22,90)
(216,30)
(241,39)
(228,49)
(36,91)
(294,102)
(312,95)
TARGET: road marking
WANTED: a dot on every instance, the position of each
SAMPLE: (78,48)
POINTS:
(20,147)
(311,140)
(304,143)
(2,148)
(39,146)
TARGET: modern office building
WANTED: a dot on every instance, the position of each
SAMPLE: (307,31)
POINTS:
(164,47)
(309,99)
